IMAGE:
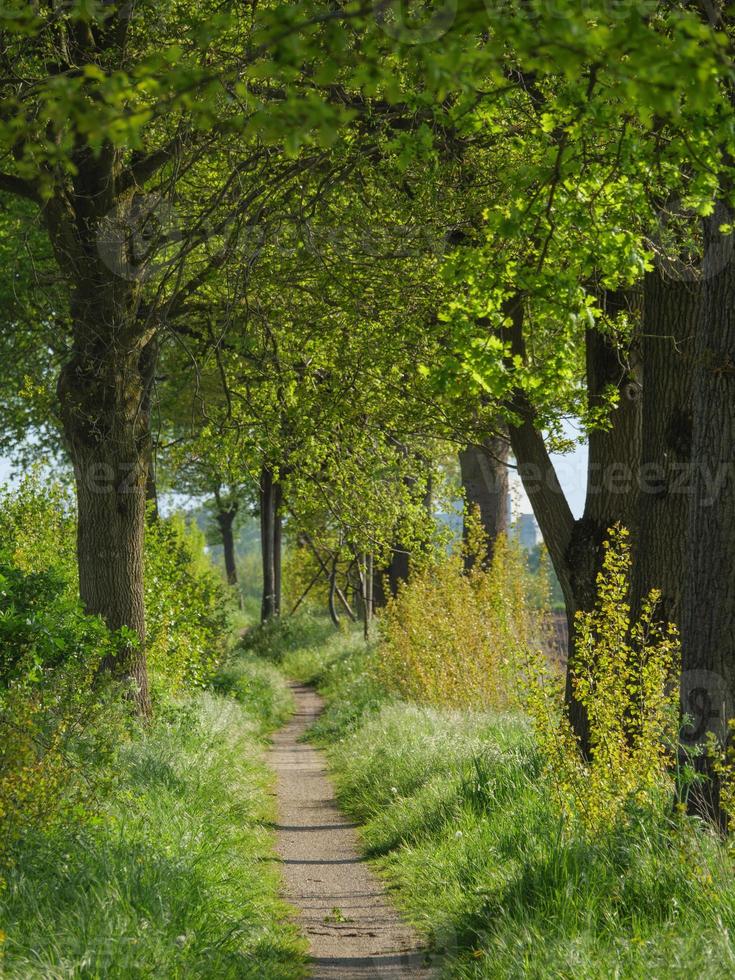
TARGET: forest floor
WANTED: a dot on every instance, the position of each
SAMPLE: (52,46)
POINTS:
(353,930)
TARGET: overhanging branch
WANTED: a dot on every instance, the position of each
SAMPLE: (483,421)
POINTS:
(11,184)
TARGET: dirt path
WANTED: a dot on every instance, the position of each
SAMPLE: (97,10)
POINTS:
(354,932)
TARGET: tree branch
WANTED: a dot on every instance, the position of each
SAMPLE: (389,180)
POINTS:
(20,187)
(537,472)
(144,168)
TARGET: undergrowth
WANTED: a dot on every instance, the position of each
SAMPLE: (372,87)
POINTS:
(173,876)
(458,814)
(454,637)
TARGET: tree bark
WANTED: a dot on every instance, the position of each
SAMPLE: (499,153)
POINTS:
(104,393)
(708,615)
(277,546)
(267,543)
(225,521)
(670,317)
(484,471)
(612,487)
(101,393)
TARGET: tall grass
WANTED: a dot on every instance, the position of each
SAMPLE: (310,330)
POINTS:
(458,814)
(175,875)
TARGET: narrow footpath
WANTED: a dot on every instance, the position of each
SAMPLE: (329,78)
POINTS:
(353,930)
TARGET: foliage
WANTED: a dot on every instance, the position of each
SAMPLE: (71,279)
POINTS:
(37,527)
(52,704)
(257,685)
(455,638)
(55,707)
(187,608)
(624,677)
(50,654)
(459,819)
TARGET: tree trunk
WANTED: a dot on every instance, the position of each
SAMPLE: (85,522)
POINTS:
(334,615)
(267,543)
(398,568)
(225,521)
(277,546)
(671,312)
(102,398)
(104,392)
(484,470)
(708,615)
(366,577)
(612,485)
(380,594)
(148,362)
(151,494)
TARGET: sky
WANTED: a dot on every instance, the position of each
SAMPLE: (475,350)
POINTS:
(572,471)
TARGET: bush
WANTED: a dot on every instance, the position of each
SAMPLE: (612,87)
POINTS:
(187,609)
(38,529)
(55,707)
(453,638)
(624,677)
(459,816)
(50,653)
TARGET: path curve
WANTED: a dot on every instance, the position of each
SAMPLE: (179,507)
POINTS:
(353,930)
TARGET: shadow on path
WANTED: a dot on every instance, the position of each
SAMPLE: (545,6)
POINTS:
(353,930)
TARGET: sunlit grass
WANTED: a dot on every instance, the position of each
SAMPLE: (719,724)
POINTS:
(460,821)
(176,878)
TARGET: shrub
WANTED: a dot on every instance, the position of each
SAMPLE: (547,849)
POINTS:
(38,529)
(50,653)
(187,609)
(453,638)
(623,676)
(55,707)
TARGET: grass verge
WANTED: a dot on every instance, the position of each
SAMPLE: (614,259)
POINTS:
(463,826)
(174,877)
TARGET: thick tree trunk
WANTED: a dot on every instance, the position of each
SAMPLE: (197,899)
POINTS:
(708,615)
(104,393)
(671,313)
(102,398)
(612,482)
(484,470)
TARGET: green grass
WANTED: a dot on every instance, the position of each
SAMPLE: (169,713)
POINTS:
(176,877)
(459,820)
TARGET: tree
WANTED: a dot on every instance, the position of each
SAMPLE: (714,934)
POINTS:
(708,649)
(108,110)
(484,471)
